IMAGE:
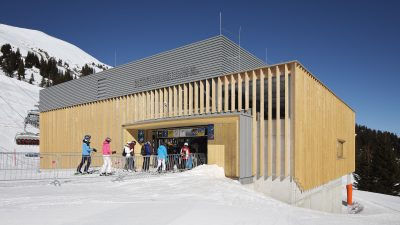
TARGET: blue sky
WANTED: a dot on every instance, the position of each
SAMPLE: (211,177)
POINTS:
(351,46)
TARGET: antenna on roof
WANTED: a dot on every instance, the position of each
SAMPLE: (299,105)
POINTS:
(220,23)
(240,29)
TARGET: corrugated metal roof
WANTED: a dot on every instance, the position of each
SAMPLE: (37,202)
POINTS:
(197,61)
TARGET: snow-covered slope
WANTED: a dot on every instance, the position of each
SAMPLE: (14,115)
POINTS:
(200,196)
(47,46)
(16,98)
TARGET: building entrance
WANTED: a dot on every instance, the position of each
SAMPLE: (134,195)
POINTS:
(175,138)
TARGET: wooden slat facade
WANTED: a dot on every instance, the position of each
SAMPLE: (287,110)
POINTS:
(304,147)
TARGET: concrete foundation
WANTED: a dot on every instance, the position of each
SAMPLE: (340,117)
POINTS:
(327,197)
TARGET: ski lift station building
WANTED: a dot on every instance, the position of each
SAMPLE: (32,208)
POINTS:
(275,128)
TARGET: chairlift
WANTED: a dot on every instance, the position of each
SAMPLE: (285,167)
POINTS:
(32,118)
(27,138)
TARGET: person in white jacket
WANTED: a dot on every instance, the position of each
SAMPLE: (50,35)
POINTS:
(128,157)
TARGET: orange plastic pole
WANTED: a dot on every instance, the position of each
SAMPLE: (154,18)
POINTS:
(349,188)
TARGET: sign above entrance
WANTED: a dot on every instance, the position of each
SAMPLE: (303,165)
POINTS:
(182,132)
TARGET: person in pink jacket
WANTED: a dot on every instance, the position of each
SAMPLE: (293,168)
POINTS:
(106,168)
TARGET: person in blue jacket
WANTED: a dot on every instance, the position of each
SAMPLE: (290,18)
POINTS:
(162,155)
(146,156)
(86,150)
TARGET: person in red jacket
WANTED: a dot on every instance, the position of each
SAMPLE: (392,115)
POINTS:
(106,168)
(185,153)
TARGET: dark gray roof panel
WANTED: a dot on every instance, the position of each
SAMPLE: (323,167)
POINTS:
(201,60)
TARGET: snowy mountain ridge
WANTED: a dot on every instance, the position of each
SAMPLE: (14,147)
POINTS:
(46,47)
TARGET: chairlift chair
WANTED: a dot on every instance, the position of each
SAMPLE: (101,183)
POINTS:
(27,138)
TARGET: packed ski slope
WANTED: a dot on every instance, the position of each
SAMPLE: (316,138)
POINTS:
(200,196)
(16,98)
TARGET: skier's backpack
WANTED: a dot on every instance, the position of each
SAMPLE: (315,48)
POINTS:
(123,152)
(143,151)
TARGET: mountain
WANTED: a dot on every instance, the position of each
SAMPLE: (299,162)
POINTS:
(17,97)
(67,56)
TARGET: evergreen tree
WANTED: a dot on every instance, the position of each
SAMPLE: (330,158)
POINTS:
(6,50)
(377,161)
(42,82)
(21,70)
(68,75)
(43,68)
(86,70)
(18,54)
(29,60)
(32,79)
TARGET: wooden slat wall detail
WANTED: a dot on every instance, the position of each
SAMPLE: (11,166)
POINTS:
(156,104)
(161,103)
(196,98)
(165,102)
(170,102)
(207,105)
(278,122)
(233,89)
(269,148)
(219,79)
(201,97)
(254,114)
(263,151)
(190,112)
(185,99)
(180,100)
(246,92)
(152,98)
(240,85)
(226,94)
(213,96)
(314,118)
(175,95)
(287,138)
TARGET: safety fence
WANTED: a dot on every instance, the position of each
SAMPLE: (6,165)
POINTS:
(18,166)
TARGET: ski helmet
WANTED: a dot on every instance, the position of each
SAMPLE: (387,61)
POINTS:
(87,137)
(108,139)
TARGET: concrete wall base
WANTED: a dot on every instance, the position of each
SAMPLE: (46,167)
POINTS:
(327,197)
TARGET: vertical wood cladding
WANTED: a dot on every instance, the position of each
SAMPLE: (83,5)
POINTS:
(304,120)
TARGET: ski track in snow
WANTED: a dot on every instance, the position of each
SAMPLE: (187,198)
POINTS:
(200,196)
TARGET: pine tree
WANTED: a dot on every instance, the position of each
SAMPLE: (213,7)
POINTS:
(32,79)
(6,49)
(43,82)
(43,68)
(86,70)
(377,161)
(21,70)
(29,60)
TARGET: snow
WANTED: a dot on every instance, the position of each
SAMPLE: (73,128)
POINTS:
(37,41)
(200,196)
(16,98)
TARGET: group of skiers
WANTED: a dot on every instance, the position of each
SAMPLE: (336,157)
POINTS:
(129,153)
